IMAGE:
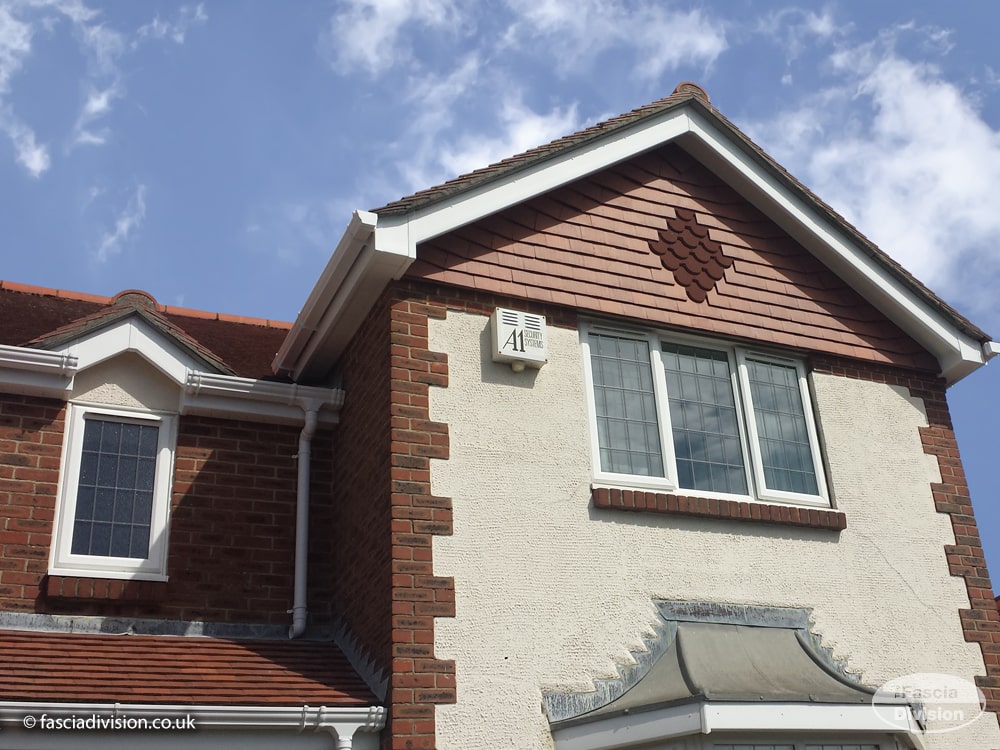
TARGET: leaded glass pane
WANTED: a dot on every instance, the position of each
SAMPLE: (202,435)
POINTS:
(627,432)
(781,427)
(114,497)
(703,420)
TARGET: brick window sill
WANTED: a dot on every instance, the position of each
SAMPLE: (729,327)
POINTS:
(104,589)
(732,510)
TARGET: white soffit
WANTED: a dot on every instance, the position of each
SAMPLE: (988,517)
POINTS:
(359,269)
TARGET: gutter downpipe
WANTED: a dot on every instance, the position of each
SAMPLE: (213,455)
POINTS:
(299,610)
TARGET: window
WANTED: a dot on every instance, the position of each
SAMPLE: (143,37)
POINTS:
(117,469)
(703,418)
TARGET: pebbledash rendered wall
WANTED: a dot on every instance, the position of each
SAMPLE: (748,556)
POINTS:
(552,593)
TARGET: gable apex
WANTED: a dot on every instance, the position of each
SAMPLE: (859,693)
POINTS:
(392,233)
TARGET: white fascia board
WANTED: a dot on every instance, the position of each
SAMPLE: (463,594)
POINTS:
(351,282)
(630,729)
(639,728)
(235,397)
(521,185)
(359,230)
(341,720)
(349,303)
(817,717)
(958,353)
(133,335)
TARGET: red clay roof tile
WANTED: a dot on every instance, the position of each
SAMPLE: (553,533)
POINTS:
(679,165)
(69,667)
(244,346)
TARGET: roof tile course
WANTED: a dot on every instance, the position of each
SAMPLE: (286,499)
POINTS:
(32,315)
(70,667)
(597,258)
(678,166)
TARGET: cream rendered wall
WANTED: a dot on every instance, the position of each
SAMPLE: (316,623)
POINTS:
(128,381)
(551,593)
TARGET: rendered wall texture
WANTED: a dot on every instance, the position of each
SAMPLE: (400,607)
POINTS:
(551,592)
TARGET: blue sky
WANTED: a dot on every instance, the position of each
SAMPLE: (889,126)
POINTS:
(211,152)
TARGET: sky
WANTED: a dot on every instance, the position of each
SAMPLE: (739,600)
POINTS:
(211,153)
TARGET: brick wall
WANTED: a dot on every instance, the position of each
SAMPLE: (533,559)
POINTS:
(232,525)
(966,559)
(385,516)
(31,433)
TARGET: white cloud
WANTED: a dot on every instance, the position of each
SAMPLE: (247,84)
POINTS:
(658,37)
(367,34)
(126,225)
(798,31)
(30,154)
(15,45)
(187,17)
(906,157)
(97,105)
(438,156)
(103,48)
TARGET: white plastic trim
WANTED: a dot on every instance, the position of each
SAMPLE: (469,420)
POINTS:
(342,723)
(37,360)
(957,352)
(358,231)
(133,334)
(227,395)
(678,721)
(299,593)
(398,235)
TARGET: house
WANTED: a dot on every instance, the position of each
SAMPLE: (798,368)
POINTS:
(719,503)
(626,441)
(152,470)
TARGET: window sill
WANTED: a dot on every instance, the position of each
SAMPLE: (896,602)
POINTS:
(104,589)
(732,510)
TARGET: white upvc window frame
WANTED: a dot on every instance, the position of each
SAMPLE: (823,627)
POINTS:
(152,568)
(749,439)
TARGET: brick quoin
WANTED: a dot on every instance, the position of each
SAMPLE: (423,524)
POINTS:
(419,681)
(966,559)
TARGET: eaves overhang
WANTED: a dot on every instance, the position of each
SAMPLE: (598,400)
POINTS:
(378,247)
(51,374)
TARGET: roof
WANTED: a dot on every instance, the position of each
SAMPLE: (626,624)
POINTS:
(379,247)
(713,661)
(685,94)
(46,318)
(73,667)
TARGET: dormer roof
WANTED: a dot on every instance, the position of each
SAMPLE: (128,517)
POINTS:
(51,319)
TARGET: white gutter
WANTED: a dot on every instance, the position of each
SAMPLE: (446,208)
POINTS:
(299,609)
(37,360)
(229,396)
(342,723)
